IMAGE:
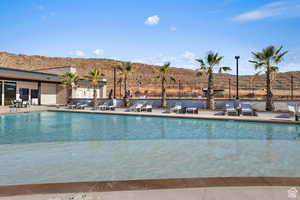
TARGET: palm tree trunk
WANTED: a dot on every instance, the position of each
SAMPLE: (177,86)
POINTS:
(95,97)
(69,95)
(210,93)
(163,93)
(125,92)
(269,101)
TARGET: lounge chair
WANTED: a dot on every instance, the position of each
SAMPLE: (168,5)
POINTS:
(147,108)
(138,107)
(292,110)
(113,105)
(230,110)
(297,114)
(192,110)
(103,106)
(246,109)
(82,106)
(135,108)
(177,109)
(71,106)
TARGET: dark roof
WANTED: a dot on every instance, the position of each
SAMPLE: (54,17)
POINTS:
(11,73)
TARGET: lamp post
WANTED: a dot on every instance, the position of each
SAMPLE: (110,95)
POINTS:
(229,88)
(292,87)
(115,81)
(237,76)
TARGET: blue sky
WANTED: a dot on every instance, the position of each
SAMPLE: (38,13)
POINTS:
(153,31)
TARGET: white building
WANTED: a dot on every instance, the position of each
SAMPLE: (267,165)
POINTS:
(42,87)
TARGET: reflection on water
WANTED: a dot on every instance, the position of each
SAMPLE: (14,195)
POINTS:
(61,127)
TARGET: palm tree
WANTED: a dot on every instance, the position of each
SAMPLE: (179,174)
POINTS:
(164,76)
(266,60)
(207,67)
(69,81)
(252,79)
(125,70)
(94,76)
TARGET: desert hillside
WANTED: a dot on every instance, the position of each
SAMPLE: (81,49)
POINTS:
(144,80)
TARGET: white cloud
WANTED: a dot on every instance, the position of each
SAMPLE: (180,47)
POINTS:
(284,9)
(77,53)
(189,55)
(98,52)
(152,20)
(184,60)
(173,29)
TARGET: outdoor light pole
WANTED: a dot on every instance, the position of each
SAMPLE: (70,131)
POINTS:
(237,76)
(229,88)
(115,81)
(292,87)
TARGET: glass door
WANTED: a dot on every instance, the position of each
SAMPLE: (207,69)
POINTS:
(1,93)
(10,91)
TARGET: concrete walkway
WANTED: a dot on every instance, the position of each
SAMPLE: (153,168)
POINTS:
(212,193)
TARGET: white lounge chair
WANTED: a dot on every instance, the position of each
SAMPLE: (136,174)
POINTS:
(246,109)
(113,105)
(292,110)
(147,108)
(103,106)
(192,110)
(138,107)
(177,109)
(230,110)
(82,106)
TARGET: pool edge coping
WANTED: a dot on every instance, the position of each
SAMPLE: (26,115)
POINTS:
(148,184)
(189,116)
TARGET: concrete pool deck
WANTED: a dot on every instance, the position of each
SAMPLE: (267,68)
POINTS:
(222,193)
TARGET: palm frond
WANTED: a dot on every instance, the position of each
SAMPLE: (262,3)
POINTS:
(224,69)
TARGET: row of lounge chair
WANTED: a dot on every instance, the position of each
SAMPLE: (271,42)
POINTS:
(140,107)
(80,106)
(240,109)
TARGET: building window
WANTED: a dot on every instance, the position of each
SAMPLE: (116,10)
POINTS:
(1,93)
(24,94)
(34,93)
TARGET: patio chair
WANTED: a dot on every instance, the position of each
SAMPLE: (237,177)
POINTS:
(147,108)
(246,109)
(230,110)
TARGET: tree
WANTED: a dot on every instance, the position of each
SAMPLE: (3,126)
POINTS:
(207,67)
(69,81)
(252,79)
(95,77)
(125,70)
(266,60)
(164,76)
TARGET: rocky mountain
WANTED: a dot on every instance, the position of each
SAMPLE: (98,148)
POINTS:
(144,80)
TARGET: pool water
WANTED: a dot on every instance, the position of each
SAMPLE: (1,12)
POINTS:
(51,147)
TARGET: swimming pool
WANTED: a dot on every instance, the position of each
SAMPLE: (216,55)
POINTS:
(52,147)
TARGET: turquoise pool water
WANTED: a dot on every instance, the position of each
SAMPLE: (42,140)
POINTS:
(51,147)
